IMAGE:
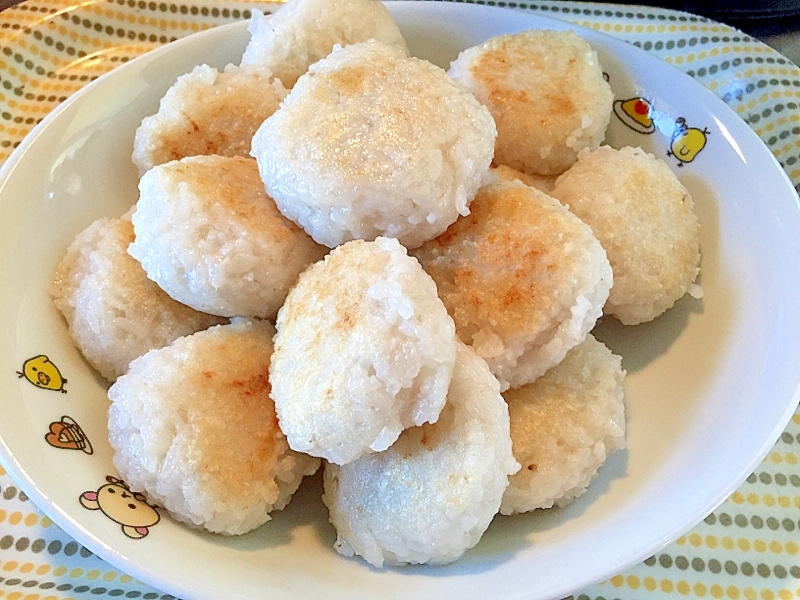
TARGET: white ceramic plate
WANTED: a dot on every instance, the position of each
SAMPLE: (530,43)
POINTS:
(711,384)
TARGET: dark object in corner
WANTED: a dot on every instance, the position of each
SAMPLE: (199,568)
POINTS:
(755,17)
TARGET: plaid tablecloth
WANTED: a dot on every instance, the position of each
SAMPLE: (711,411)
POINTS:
(749,548)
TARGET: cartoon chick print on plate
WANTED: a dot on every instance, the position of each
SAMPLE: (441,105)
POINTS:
(116,501)
(43,374)
(687,142)
(636,113)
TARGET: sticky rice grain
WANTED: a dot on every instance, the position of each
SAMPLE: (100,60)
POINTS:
(210,236)
(546,92)
(302,32)
(543,183)
(207,112)
(564,426)
(370,143)
(364,349)
(430,497)
(193,427)
(644,218)
(523,278)
(114,312)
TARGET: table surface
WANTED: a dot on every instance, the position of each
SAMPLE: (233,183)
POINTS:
(748,548)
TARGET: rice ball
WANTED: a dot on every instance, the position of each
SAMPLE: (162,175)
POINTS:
(207,112)
(546,92)
(209,235)
(430,497)
(193,427)
(645,220)
(543,183)
(114,312)
(364,349)
(523,278)
(370,143)
(301,32)
(563,427)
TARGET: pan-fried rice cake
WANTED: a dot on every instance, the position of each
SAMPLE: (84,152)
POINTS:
(546,92)
(114,312)
(302,32)
(209,235)
(193,427)
(543,183)
(364,349)
(563,427)
(523,278)
(644,218)
(432,494)
(207,112)
(370,143)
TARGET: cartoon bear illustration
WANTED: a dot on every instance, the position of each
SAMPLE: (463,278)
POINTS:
(118,503)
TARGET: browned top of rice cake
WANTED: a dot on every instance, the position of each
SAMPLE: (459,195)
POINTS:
(207,112)
(546,92)
(513,265)
(543,183)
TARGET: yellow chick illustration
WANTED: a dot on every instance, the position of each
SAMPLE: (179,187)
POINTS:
(43,374)
(687,142)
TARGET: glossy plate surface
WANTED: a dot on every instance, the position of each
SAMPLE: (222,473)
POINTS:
(711,384)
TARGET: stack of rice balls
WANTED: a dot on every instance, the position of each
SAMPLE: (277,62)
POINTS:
(345,256)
